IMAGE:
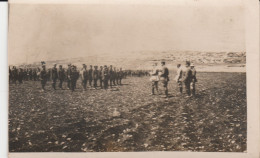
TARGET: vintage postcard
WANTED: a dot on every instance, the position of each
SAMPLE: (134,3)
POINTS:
(129,77)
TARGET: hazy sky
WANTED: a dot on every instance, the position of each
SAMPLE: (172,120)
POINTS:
(44,32)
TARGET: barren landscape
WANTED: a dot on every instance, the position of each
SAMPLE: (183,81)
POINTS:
(128,119)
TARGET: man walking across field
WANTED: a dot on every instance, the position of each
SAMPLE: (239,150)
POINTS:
(61,76)
(187,75)
(164,78)
(178,77)
(193,79)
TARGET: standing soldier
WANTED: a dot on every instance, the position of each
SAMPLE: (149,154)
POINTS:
(111,75)
(90,72)
(69,76)
(115,79)
(73,77)
(164,77)
(20,75)
(95,76)
(193,79)
(120,76)
(43,77)
(14,74)
(101,76)
(61,76)
(187,78)
(106,77)
(54,76)
(154,79)
(178,77)
(84,76)
(34,74)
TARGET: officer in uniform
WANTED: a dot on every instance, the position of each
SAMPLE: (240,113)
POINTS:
(120,76)
(54,76)
(43,77)
(111,75)
(186,75)
(69,76)
(95,76)
(20,75)
(178,77)
(193,79)
(90,72)
(14,74)
(106,77)
(84,76)
(164,77)
(115,77)
(74,77)
(101,76)
(154,78)
(61,76)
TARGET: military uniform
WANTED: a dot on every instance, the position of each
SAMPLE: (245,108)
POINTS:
(105,77)
(43,77)
(115,77)
(95,75)
(74,77)
(187,79)
(120,76)
(101,77)
(14,74)
(164,78)
(179,79)
(61,76)
(69,77)
(193,80)
(54,76)
(90,72)
(111,75)
(84,77)
(20,75)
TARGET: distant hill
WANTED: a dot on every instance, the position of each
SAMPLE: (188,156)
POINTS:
(144,59)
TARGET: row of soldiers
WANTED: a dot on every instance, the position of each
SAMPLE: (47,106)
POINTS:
(20,74)
(106,76)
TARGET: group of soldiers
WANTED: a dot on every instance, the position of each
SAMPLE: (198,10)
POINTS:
(20,74)
(185,76)
(106,76)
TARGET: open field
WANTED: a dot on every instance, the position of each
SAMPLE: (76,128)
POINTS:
(215,120)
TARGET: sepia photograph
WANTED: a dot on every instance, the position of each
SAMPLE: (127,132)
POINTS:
(111,77)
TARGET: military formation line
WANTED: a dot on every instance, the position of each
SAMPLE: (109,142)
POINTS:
(102,76)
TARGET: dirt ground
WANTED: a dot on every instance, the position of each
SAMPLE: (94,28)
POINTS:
(128,119)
